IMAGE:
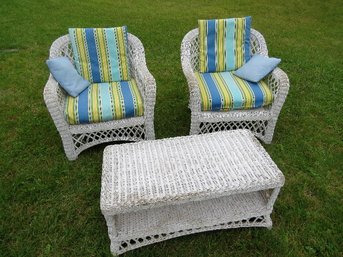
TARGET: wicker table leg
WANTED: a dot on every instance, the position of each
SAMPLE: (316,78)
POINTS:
(112,233)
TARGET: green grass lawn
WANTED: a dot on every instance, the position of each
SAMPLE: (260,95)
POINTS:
(49,206)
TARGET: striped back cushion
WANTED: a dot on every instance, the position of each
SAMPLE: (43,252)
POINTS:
(104,102)
(100,54)
(224,44)
(223,91)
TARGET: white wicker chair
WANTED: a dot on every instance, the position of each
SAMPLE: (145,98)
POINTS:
(260,121)
(77,138)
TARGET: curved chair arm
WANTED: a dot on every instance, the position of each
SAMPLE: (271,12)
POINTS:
(258,44)
(54,98)
(54,95)
(61,47)
(139,70)
(279,83)
(187,46)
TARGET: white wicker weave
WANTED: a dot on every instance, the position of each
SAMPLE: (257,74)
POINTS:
(260,121)
(156,190)
(77,138)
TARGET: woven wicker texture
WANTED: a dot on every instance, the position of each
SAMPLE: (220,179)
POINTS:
(179,169)
(77,138)
(156,190)
(260,121)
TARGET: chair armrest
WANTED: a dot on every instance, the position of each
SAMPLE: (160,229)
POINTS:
(258,43)
(54,98)
(279,84)
(147,85)
(139,71)
(186,63)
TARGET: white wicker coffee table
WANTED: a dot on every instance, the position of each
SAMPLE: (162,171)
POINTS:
(156,190)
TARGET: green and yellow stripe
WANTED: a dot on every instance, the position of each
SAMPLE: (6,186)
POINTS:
(103,60)
(137,98)
(267,92)
(94,100)
(122,50)
(221,44)
(117,101)
(202,45)
(227,100)
(71,110)
(83,53)
(206,101)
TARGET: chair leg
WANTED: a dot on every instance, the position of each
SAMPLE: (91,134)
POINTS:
(269,222)
(268,137)
(71,156)
(149,130)
(68,146)
(195,126)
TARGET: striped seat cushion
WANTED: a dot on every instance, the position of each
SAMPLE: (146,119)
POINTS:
(100,54)
(224,44)
(104,102)
(223,91)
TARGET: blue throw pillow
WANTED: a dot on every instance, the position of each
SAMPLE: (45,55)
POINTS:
(66,75)
(257,68)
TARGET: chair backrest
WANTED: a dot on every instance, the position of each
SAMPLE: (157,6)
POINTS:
(257,45)
(62,47)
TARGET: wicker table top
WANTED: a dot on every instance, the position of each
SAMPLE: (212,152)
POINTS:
(156,173)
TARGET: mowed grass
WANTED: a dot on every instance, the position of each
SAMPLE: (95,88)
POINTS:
(50,206)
